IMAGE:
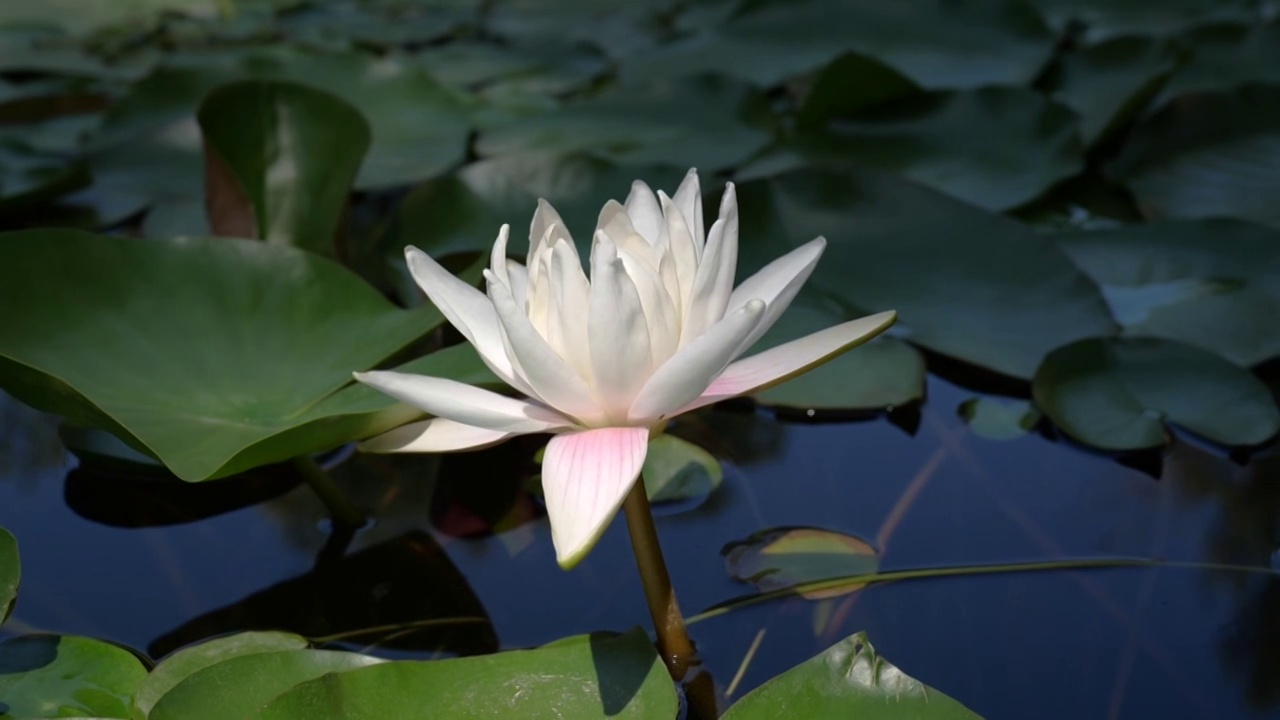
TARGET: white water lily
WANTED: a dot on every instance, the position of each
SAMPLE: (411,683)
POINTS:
(654,332)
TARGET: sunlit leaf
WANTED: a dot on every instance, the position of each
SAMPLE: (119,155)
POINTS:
(846,680)
(58,676)
(783,557)
(1118,394)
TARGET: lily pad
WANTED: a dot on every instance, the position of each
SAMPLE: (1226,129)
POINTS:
(1210,283)
(1212,154)
(1118,394)
(187,661)
(28,178)
(585,677)
(676,469)
(966,283)
(781,558)
(995,419)
(1104,19)
(10,573)
(849,84)
(213,355)
(1228,57)
(1108,84)
(77,18)
(847,680)
(285,176)
(237,686)
(58,676)
(938,44)
(687,123)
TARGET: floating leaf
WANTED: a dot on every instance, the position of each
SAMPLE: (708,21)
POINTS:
(966,283)
(58,676)
(27,178)
(78,18)
(583,677)
(284,176)
(1118,393)
(1229,57)
(784,557)
(1210,283)
(1210,154)
(846,680)
(849,84)
(1108,84)
(936,43)
(187,661)
(213,355)
(676,469)
(999,419)
(237,686)
(1103,19)
(10,573)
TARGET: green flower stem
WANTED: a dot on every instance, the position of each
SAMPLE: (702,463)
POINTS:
(340,509)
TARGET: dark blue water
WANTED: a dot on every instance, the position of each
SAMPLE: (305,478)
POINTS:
(1131,642)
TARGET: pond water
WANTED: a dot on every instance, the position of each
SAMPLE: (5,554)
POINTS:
(1187,641)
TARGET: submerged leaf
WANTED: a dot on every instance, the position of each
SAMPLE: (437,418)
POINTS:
(676,469)
(999,419)
(784,557)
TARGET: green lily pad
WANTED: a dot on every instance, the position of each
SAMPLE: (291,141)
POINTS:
(238,686)
(685,123)
(883,373)
(781,558)
(1118,393)
(58,676)
(580,677)
(1108,84)
(938,44)
(189,660)
(846,680)
(676,469)
(1210,283)
(1104,19)
(1228,57)
(213,355)
(849,84)
(1212,154)
(546,68)
(284,175)
(10,573)
(966,283)
(78,18)
(994,147)
(995,419)
(27,178)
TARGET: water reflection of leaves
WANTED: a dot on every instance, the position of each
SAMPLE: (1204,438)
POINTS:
(29,444)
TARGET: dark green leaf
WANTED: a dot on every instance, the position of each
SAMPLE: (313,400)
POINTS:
(214,355)
(676,469)
(280,159)
(580,677)
(848,680)
(52,676)
(850,84)
(995,419)
(10,573)
(1110,83)
(1104,19)
(1117,394)
(1210,283)
(966,283)
(784,557)
(1229,57)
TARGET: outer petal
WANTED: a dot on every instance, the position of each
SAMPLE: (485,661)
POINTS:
(619,332)
(714,281)
(585,477)
(687,374)
(688,198)
(433,436)
(781,363)
(465,403)
(777,284)
(465,307)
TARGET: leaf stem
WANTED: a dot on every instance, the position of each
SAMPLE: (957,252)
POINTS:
(341,511)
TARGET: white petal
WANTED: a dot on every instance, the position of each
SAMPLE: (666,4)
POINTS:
(466,308)
(688,198)
(688,373)
(659,310)
(714,281)
(433,436)
(618,331)
(777,284)
(551,379)
(518,276)
(779,364)
(465,403)
(498,256)
(642,207)
(567,319)
(543,218)
(681,250)
(585,477)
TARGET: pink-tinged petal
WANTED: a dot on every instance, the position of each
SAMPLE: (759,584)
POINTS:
(465,403)
(465,307)
(585,477)
(779,364)
(688,198)
(684,377)
(436,435)
(777,284)
(713,283)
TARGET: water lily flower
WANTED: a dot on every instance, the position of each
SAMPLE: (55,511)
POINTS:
(603,361)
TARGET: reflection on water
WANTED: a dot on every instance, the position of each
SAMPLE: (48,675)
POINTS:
(1142,642)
